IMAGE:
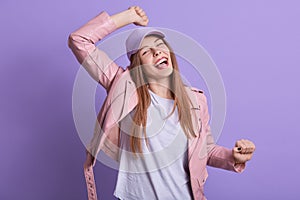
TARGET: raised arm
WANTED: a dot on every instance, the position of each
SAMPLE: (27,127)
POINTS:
(82,42)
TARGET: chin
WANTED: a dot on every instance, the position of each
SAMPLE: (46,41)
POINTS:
(165,73)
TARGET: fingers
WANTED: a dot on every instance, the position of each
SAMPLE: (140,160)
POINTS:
(244,146)
(237,149)
(142,19)
(140,11)
(243,151)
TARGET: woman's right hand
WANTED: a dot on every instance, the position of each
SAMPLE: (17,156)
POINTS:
(90,160)
(134,15)
(140,18)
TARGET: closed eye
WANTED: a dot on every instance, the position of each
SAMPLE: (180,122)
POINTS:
(145,52)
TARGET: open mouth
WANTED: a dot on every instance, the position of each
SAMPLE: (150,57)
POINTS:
(162,63)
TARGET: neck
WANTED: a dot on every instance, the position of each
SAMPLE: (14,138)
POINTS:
(161,89)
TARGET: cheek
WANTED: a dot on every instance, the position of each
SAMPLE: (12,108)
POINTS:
(145,60)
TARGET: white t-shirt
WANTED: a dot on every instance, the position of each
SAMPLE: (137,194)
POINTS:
(162,171)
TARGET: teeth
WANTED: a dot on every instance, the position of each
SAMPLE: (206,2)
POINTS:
(162,60)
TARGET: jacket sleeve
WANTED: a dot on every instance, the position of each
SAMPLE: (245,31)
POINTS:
(218,156)
(82,42)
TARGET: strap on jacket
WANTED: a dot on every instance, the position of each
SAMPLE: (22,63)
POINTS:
(90,183)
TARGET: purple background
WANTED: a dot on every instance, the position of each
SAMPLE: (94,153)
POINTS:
(255,45)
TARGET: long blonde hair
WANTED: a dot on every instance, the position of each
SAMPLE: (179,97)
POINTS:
(179,94)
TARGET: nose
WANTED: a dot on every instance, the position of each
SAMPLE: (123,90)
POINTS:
(156,51)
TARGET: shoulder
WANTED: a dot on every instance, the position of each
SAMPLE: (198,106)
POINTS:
(196,90)
(196,93)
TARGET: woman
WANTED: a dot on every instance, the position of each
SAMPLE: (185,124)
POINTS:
(154,126)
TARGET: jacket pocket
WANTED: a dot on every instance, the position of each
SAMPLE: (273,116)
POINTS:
(202,179)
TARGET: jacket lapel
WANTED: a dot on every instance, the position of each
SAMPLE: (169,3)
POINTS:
(121,101)
(130,99)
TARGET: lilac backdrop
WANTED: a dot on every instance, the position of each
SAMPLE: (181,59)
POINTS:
(255,45)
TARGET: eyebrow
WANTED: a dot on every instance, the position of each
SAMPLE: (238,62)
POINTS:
(153,42)
(157,39)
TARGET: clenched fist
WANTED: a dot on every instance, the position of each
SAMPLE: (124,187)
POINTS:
(243,151)
(141,18)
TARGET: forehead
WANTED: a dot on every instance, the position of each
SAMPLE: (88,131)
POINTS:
(149,40)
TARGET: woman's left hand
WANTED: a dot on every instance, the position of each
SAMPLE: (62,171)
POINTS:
(243,151)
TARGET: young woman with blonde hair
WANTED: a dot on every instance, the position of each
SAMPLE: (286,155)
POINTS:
(151,123)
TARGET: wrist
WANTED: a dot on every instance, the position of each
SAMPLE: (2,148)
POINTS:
(124,18)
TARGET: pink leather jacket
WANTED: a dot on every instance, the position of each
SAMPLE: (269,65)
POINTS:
(121,99)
